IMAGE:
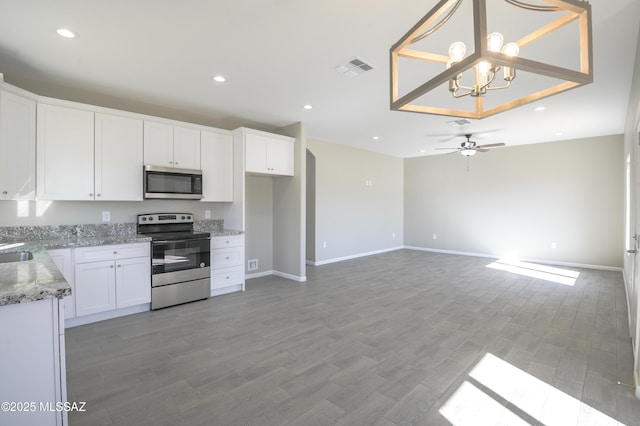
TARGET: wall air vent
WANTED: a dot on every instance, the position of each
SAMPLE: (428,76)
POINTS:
(354,67)
(460,122)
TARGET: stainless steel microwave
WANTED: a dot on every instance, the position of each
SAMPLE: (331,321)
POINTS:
(172,183)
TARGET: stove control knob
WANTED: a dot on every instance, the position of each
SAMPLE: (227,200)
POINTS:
(151,218)
(144,218)
(189,217)
(183,218)
(202,265)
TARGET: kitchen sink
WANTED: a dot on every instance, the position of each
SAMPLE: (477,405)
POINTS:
(19,256)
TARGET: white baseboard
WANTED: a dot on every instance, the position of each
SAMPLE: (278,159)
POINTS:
(278,274)
(300,279)
(258,275)
(495,256)
(353,256)
(101,316)
(226,290)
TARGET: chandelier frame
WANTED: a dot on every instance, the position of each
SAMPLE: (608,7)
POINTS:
(579,10)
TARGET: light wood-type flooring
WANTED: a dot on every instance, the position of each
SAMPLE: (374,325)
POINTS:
(399,338)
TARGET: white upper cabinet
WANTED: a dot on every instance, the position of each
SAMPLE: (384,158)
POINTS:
(84,155)
(217,166)
(64,153)
(17,147)
(186,148)
(118,158)
(268,153)
(171,146)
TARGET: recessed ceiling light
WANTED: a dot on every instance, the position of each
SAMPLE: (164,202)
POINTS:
(66,33)
(540,108)
(219,78)
(375,138)
(558,133)
(308,106)
(423,151)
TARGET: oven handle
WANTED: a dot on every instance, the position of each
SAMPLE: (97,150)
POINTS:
(181,241)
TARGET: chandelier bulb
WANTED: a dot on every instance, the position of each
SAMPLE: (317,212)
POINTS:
(495,41)
(457,51)
(511,49)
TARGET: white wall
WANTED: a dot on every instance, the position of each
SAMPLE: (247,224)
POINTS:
(521,199)
(632,281)
(351,217)
(31,213)
(259,222)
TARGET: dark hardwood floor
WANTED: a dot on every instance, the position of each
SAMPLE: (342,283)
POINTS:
(401,338)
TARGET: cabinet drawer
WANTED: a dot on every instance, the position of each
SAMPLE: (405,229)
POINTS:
(224,242)
(111,252)
(221,278)
(223,258)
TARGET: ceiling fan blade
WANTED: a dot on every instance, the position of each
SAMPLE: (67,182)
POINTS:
(491,145)
(450,149)
(481,149)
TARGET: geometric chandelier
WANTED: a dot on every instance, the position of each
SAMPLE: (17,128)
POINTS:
(510,57)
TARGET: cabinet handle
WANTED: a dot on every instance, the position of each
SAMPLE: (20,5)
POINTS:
(227,257)
(90,194)
(115,252)
(176,163)
(97,195)
(227,277)
(111,266)
(170,162)
(4,192)
(119,266)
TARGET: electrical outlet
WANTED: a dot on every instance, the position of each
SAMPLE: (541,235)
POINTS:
(207,214)
(554,245)
(106,216)
(435,237)
(393,235)
(324,244)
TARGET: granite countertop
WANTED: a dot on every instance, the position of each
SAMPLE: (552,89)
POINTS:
(31,280)
(40,278)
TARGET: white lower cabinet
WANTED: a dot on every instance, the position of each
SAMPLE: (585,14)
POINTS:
(33,363)
(63,258)
(112,277)
(227,264)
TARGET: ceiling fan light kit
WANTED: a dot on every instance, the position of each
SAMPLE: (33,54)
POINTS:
(492,64)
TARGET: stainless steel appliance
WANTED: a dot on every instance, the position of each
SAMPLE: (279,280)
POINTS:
(180,258)
(172,183)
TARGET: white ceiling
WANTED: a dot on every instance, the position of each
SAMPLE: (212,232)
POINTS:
(279,55)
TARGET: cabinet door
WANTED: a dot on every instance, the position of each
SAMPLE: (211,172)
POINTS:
(217,166)
(133,281)
(158,144)
(256,153)
(95,287)
(186,148)
(280,157)
(64,153)
(62,259)
(118,158)
(17,147)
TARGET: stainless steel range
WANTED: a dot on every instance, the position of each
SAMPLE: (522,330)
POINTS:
(180,258)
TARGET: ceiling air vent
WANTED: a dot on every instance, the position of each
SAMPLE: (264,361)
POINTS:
(354,67)
(460,122)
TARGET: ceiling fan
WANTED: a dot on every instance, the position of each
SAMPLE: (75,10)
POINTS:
(469,147)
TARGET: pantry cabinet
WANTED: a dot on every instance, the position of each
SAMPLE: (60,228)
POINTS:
(112,277)
(17,147)
(217,166)
(171,146)
(267,153)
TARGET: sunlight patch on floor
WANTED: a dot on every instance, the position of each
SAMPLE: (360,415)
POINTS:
(534,270)
(539,400)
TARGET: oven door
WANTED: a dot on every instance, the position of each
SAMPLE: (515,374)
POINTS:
(179,255)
